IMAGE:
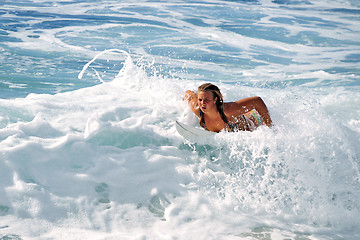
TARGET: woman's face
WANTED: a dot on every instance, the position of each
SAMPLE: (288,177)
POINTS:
(206,101)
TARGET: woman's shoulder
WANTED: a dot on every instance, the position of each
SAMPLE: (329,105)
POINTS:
(242,102)
(247,100)
(233,109)
(230,105)
(241,106)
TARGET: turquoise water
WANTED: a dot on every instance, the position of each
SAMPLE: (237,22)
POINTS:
(97,155)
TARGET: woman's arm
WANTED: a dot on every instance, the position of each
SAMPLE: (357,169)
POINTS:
(242,106)
(191,97)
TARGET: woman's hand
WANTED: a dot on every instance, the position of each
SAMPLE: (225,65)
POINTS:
(191,97)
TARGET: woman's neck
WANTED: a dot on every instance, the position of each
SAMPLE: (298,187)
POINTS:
(212,115)
(214,121)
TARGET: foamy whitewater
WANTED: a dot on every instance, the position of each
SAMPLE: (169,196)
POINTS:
(90,92)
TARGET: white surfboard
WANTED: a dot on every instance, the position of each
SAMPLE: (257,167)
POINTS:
(190,132)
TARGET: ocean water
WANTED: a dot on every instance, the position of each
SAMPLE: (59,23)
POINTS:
(90,91)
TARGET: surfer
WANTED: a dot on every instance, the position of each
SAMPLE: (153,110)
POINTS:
(215,115)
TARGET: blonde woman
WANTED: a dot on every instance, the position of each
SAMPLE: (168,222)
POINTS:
(243,115)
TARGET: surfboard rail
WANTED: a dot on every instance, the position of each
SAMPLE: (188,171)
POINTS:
(190,132)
